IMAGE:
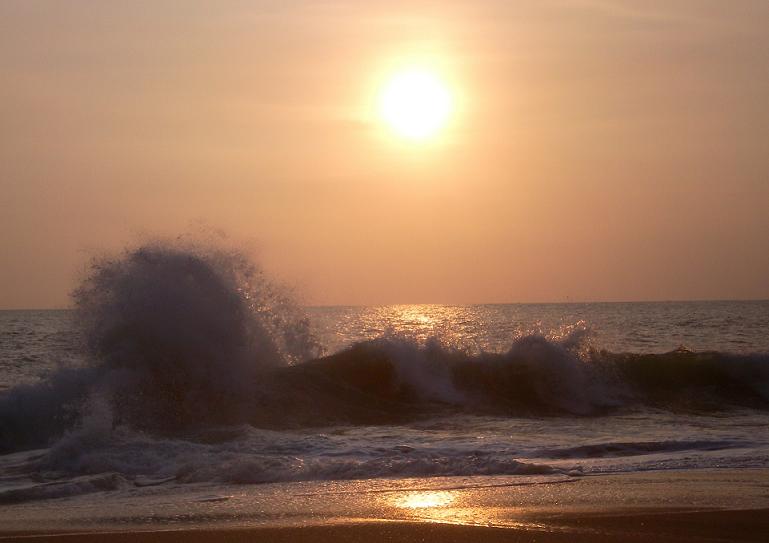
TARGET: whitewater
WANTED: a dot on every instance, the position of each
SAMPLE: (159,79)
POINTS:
(184,371)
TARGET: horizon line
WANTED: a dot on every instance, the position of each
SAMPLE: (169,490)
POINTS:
(445,304)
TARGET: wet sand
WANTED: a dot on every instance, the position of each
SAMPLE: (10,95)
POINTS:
(682,506)
(694,527)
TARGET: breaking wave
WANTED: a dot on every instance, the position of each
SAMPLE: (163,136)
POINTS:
(176,334)
(181,336)
(390,380)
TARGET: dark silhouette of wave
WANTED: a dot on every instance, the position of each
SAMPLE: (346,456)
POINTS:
(182,336)
(387,381)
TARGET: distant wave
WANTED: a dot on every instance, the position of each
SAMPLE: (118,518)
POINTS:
(182,336)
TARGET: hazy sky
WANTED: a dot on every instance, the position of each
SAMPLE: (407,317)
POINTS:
(599,149)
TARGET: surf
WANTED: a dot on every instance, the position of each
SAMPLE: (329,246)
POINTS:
(182,335)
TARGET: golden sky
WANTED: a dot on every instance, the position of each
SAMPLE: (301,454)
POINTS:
(596,149)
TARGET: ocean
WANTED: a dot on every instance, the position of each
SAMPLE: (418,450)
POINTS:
(165,398)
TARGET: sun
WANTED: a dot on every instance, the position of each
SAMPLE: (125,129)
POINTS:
(415,104)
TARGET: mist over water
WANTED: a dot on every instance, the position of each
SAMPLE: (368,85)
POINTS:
(182,362)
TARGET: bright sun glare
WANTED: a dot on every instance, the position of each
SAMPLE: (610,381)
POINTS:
(415,104)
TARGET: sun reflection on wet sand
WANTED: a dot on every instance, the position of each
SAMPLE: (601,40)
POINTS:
(430,506)
(466,506)
(420,500)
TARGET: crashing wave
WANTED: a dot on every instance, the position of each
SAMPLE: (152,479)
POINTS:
(182,336)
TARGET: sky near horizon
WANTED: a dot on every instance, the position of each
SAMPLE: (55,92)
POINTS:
(596,149)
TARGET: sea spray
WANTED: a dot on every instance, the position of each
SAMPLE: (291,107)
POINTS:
(177,334)
(184,331)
